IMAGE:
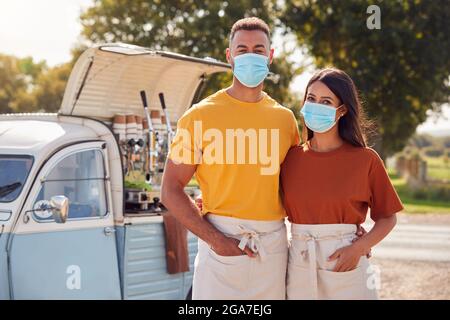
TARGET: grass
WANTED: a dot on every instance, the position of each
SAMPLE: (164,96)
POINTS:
(414,205)
(438,168)
(193,182)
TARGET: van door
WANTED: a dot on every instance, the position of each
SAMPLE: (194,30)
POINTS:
(76,259)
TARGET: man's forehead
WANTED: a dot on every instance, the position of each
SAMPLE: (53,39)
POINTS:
(250,38)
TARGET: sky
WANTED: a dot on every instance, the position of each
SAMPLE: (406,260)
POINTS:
(48,29)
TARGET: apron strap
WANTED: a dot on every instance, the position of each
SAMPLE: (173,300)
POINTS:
(312,256)
(251,239)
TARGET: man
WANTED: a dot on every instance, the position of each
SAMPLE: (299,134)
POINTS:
(234,142)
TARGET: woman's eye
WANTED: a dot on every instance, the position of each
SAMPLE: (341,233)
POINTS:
(310,99)
(326,102)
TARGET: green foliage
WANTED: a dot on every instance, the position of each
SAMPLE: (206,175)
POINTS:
(432,199)
(50,85)
(433,152)
(191,27)
(29,86)
(402,70)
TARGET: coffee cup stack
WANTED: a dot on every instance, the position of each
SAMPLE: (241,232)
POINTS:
(140,128)
(131,132)
(120,126)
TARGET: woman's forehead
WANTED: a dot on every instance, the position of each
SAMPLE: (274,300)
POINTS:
(320,89)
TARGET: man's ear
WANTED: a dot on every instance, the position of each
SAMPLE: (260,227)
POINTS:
(228,55)
(271,55)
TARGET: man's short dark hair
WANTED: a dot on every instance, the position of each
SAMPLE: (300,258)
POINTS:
(250,24)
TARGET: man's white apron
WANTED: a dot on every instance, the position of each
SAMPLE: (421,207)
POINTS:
(242,277)
(310,275)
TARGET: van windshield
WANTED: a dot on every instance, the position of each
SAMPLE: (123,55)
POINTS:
(14,171)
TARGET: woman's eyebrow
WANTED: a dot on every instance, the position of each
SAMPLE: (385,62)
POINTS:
(326,97)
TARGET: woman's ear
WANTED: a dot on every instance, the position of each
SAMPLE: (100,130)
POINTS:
(343,110)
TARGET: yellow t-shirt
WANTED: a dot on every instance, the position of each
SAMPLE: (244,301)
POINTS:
(238,148)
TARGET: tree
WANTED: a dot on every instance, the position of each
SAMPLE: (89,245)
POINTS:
(17,78)
(49,87)
(402,69)
(191,27)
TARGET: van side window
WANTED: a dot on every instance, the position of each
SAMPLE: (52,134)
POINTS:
(81,178)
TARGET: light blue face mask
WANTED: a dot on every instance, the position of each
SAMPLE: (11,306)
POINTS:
(251,69)
(319,117)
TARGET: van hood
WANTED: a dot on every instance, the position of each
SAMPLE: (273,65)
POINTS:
(107,79)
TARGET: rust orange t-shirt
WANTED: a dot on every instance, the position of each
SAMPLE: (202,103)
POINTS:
(336,186)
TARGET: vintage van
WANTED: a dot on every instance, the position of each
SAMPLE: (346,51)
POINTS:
(68,226)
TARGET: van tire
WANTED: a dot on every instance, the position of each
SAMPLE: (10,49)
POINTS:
(189,295)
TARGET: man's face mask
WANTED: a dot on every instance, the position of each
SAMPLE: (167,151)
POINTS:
(251,69)
(318,117)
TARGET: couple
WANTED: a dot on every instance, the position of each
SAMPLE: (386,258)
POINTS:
(325,185)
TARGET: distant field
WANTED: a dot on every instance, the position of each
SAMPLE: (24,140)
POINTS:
(438,168)
(414,205)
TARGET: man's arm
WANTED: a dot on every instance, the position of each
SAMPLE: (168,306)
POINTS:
(180,205)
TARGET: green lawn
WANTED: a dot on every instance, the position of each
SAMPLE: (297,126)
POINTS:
(437,168)
(414,205)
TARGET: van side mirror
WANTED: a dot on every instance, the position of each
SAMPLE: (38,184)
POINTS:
(59,208)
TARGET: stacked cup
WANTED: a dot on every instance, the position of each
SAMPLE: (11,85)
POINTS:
(140,128)
(131,132)
(120,126)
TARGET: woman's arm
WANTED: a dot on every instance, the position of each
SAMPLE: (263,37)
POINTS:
(348,257)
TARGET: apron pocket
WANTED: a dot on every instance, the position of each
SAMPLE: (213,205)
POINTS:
(228,260)
(298,284)
(349,285)
(231,273)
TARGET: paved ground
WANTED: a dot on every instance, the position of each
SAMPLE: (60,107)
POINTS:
(414,260)
(415,239)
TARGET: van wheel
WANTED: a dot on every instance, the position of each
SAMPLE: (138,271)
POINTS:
(189,295)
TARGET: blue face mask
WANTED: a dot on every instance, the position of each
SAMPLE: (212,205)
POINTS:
(251,69)
(319,117)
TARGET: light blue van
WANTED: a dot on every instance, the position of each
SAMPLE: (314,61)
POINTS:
(65,232)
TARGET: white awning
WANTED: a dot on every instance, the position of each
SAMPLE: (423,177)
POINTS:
(107,79)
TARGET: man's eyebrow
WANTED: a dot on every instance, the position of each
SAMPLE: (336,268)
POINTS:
(242,46)
(259,46)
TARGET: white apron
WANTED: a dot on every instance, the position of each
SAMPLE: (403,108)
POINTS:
(241,277)
(310,275)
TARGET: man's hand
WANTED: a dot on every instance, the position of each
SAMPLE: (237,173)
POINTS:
(230,247)
(360,232)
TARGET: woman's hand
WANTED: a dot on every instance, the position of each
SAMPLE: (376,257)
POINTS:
(199,202)
(347,257)
(360,232)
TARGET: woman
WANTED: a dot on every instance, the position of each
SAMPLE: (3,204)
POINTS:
(328,185)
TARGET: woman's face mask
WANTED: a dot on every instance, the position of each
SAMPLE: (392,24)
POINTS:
(251,69)
(318,117)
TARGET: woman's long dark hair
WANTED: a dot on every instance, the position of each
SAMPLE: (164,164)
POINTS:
(353,127)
